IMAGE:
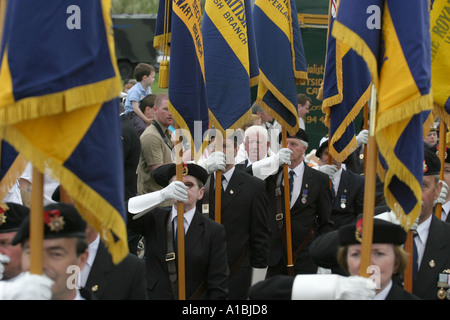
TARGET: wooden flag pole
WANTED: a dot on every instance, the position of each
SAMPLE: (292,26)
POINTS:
(180,221)
(287,210)
(37,223)
(369,194)
(366,127)
(218,188)
(441,153)
(408,273)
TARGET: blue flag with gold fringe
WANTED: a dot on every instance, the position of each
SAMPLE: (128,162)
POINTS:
(231,62)
(59,105)
(187,97)
(440,57)
(396,49)
(12,165)
(281,59)
(346,89)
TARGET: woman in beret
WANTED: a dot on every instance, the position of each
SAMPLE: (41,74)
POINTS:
(388,256)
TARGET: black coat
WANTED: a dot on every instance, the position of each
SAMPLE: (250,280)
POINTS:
(314,213)
(205,255)
(244,215)
(436,259)
(124,281)
(349,200)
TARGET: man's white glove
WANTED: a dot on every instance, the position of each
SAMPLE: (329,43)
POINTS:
(332,287)
(216,161)
(27,287)
(390,216)
(176,190)
(329,169)
(270,165)
(4,259)
(443,195)
(362,137)
(284,156)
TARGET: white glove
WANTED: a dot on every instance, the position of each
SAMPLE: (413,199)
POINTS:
(27,287)
(362,137)
(4,259)
(145,202)
(284,156)
(391,217)
(332,287)
(216,161)
(443,195)
(176,190)
(329,169)
(270,165)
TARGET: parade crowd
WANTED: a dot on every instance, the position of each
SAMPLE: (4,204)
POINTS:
(236,250)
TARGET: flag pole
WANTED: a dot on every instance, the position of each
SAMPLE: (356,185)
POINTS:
(287,209)
(37,223)
(369,194)
(180,221)
(218,188)
(366,127)
(441,153)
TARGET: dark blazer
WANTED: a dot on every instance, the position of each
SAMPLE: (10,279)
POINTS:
(398,293)
(314,213)
(124,281)
(436,259)
(349,200)
(205,255)
(244,215)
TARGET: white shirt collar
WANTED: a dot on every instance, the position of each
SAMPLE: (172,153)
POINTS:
(383,293)
(188,216)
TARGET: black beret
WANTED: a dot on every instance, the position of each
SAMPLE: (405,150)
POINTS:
(383,232)
(301,134)
(164,173)
(11,216)
(321,148)
(61,220)
(431,163)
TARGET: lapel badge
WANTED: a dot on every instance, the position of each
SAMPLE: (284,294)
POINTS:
(432,264)
(205,208)
(231,191)
(94,288)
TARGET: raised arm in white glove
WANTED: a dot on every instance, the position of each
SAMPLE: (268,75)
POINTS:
(216,161)
(362,137)
(4,259)
(176,190)
(27,287)
(270,165)
(329,169)
(443,195)
(391,217)
(332,287)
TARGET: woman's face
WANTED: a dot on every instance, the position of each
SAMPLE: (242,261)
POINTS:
(383,256)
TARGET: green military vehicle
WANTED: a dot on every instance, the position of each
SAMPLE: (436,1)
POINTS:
(133,36)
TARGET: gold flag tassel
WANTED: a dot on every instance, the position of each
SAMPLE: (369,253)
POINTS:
(163,81)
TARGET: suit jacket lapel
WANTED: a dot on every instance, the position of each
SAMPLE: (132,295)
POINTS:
(233,189)
(194,233)
(100,267)
(430,262)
